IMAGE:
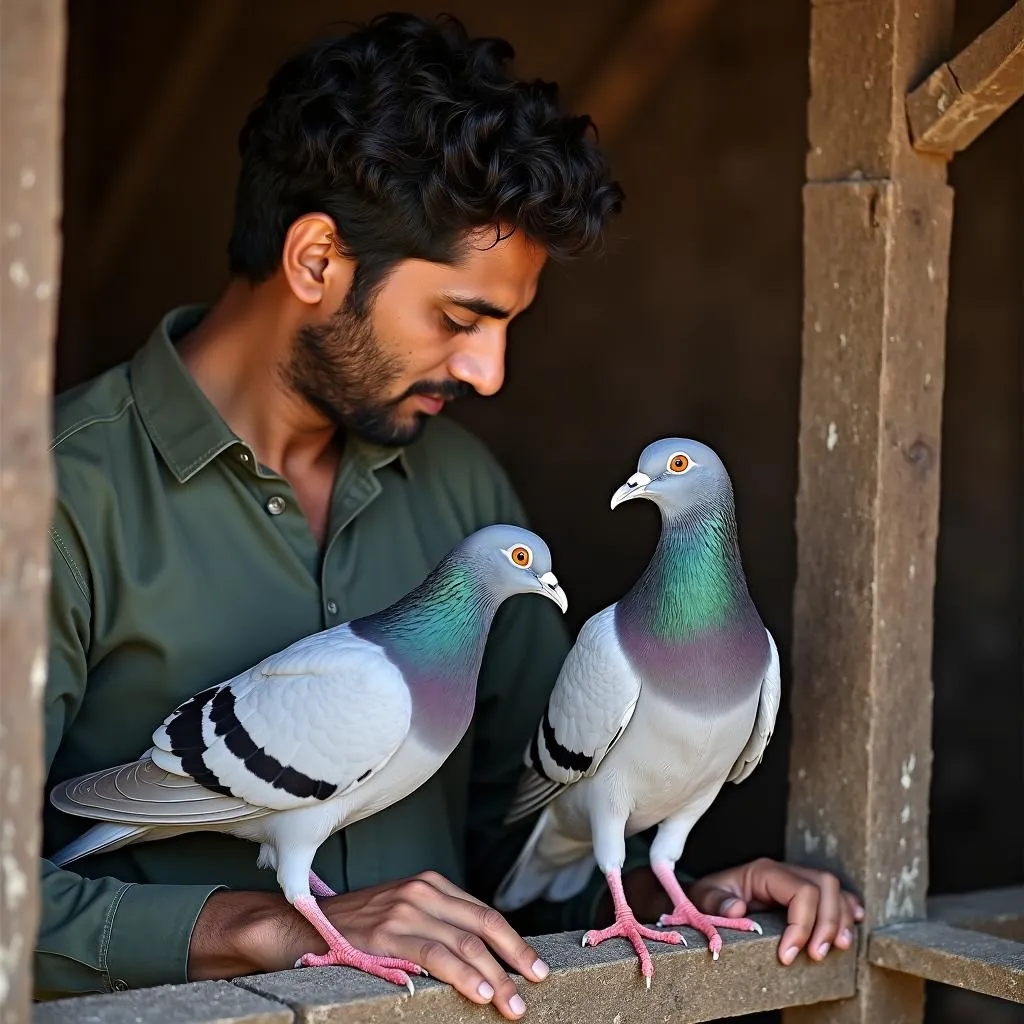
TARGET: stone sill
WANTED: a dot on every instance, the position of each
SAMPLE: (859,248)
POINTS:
(585,986)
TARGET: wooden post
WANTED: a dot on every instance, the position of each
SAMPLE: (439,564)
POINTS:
(31,116)
(876,249)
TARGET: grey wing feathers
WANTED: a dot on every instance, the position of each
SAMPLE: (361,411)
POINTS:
(314,721)
(589,708)
(764,724)
(141,793)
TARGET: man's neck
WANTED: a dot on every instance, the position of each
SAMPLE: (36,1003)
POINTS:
(237,355)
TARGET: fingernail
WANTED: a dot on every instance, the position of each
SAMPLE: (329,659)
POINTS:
(859,913)
(726,904)
(516,1004)
(824,948)
(789,955)
(540,969)
(485,990)
(845,936)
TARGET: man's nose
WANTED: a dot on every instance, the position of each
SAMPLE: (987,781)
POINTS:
(480,361)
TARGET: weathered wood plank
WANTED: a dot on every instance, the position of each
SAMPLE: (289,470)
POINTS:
(587,985)
(31,117)
(998,912)
(962,97)
(877,219)
(953,956)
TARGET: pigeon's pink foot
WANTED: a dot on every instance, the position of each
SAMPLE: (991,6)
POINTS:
(627,927)
(685,913)
(341,952)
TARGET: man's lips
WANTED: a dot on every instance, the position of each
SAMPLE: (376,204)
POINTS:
(430,404)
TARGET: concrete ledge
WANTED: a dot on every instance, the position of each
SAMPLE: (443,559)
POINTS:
(203,1002)
(587,986)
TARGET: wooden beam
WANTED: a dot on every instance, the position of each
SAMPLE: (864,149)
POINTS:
(638,62)
(188,70)
(877,219)
(962,97)
(31,120)
(953,956)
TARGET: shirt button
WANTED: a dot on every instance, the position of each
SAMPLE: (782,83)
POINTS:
(332,608)
(276,505)
(120,985)
(245,456)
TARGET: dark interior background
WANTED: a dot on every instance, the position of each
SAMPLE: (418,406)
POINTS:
(690,324)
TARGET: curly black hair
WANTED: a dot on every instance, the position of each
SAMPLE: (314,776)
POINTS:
(409,134)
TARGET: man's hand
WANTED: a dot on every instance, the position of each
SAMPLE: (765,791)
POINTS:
(817,908)
(425,919)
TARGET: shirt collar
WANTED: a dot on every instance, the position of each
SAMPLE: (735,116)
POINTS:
(183,425)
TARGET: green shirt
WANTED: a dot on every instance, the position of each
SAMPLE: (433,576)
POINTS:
(178,562)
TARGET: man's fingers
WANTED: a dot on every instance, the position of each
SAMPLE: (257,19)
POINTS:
(492,928)
(827,921)
(801,912)
(461,959)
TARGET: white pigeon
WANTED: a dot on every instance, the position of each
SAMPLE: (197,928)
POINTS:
(332,729)
(666,695)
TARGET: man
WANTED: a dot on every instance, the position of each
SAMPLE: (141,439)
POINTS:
(272,466)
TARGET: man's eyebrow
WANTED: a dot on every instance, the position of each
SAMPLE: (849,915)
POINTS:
(477,305)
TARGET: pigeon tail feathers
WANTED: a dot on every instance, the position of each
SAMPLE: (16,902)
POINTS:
(535,874)
(98,839)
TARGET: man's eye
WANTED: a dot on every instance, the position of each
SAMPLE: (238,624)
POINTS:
(454,327)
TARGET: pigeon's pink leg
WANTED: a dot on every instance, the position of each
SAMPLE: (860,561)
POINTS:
(626,927)
(685,913)
(343,954)
(318,887)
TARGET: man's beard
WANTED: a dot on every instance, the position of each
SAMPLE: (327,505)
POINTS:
(340,368)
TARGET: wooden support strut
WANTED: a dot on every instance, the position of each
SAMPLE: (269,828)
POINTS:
(962,97)
(877,220)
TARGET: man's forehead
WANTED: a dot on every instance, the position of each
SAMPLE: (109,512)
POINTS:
(502,272)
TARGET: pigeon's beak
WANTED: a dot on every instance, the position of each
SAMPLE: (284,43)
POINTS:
(632,488)
(550,588)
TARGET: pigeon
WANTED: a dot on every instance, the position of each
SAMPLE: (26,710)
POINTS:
(665,695)
(332,729)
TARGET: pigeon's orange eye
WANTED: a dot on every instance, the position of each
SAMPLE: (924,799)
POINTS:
(522,556)
(679,463)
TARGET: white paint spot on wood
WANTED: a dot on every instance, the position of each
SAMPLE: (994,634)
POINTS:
(911,570)
(842,340)
(907,771)
(13,230)
(831,845)
(37,673)
(44,290)
(15,883)
(931,271)
(927,379)
(811,841)
(900,900)
(28,177)
(832,437)
(18,273)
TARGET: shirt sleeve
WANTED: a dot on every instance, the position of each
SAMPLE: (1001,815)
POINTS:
(527,645)
(97,934)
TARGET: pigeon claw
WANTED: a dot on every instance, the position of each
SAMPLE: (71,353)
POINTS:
(708,925)
(627,927)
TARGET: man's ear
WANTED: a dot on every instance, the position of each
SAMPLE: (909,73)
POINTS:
(312,262)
